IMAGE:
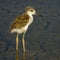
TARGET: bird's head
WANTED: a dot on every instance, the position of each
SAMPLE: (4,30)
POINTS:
(30,10)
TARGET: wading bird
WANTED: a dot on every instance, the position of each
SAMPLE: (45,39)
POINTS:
(21,24)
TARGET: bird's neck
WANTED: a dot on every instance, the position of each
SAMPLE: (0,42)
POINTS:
(30,15)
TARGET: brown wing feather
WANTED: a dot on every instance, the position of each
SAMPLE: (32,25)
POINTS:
(20,21)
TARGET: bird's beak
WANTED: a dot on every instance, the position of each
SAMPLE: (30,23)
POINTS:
(37,14)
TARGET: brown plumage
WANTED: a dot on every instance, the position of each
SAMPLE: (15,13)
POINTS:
(20,21)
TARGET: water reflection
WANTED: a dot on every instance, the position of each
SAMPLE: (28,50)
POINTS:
(17,55)
(23,57)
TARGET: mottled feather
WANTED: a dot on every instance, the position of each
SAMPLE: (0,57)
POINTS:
(20,21)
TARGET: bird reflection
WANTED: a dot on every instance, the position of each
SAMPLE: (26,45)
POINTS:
(17,55)
(23,57)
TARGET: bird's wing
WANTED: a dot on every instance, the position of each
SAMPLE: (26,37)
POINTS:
(20,22)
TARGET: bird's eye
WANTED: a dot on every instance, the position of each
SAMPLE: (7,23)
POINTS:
(31,10)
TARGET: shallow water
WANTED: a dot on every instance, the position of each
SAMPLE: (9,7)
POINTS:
(42,37)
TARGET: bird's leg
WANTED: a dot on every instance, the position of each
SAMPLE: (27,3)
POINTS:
(17,41)
(23,42)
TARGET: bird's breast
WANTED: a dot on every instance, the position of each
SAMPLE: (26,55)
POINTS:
(30,20)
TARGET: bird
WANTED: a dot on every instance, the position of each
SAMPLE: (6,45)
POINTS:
(21,24)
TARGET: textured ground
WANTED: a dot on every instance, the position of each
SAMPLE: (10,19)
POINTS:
(43,36)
